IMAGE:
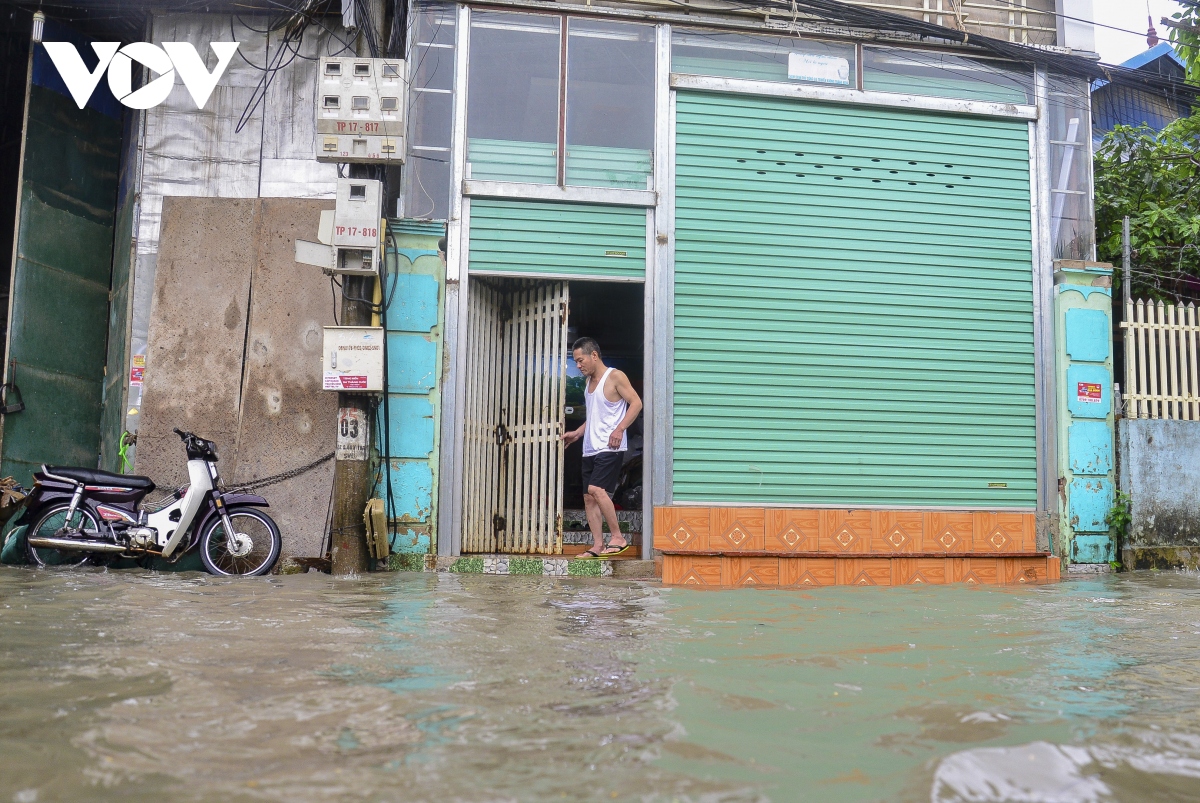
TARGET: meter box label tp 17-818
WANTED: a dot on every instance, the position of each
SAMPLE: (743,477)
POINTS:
(356,226)
(357,212)
(361,106)
(353,359)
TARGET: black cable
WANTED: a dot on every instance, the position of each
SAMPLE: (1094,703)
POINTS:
(388,303)
(375,308)
(386,435)
(333,292)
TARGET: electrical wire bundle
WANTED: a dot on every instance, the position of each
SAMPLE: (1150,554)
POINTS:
(845,14)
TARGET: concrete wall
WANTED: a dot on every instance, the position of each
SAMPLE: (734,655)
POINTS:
(1160,470)
(235,351)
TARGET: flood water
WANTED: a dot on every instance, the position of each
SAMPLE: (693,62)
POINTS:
(149,687)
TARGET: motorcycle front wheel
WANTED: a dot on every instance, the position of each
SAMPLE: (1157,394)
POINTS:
(52,523)
(253,549)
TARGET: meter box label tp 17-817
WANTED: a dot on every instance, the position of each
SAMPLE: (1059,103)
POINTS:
(353,359)
(361,106)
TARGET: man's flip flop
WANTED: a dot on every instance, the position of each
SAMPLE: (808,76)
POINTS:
(588,555)
(621,550)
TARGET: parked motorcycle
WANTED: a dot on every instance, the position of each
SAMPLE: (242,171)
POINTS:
(77,516)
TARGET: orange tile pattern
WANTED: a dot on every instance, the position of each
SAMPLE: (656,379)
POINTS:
(842,532)
(732,547)
(719,571)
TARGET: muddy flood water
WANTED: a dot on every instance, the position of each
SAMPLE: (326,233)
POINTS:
(137,686)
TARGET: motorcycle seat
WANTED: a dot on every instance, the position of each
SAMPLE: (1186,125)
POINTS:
(92,476)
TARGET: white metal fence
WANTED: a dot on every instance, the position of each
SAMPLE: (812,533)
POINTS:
(1161,380)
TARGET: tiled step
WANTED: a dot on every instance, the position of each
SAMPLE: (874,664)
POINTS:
(577,532)
(576,520)
(725,571)
(549,566)
(585,537)
(524,564)
(571,550)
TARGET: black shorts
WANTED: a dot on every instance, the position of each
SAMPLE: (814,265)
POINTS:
(603,470)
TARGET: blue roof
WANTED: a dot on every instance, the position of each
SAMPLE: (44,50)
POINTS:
(1161,50)
(1153,54)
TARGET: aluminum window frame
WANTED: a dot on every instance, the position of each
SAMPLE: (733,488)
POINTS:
(592,194)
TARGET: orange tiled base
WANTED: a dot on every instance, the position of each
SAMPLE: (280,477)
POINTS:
(796,547)
(719,571)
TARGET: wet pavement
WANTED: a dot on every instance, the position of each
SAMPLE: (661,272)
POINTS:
(137,686)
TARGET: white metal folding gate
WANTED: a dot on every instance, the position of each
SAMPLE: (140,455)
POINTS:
(515,397)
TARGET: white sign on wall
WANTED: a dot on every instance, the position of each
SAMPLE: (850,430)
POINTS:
(818,69)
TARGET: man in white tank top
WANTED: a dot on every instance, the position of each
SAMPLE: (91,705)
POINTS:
(612,405)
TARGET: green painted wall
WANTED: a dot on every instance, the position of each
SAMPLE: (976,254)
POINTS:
(534,237)
(415,320)
(1086,418)
(60,288)
(853,306)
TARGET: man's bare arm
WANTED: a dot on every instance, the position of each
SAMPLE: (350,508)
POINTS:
(625,390)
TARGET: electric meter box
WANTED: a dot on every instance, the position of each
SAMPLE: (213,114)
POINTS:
(356,226)
(361,108)
(352,360)
(357,213)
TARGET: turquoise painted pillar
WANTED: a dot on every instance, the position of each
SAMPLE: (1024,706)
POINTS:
(1083,343)
(414,321)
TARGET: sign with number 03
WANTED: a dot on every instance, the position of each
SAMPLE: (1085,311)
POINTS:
(351,434)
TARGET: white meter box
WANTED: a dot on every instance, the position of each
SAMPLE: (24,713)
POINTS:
(357,212)
(353,359)
(361,107)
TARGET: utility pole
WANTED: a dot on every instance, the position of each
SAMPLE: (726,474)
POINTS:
(351,471)
(1126,291)
(352,468)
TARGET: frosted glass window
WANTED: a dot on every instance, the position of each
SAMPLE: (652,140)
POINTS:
(512,92)
(427,174)
(764,58)
(610,104)
(1072,210)
(927,72)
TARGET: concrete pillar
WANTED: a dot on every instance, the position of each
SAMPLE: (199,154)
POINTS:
(1083,346)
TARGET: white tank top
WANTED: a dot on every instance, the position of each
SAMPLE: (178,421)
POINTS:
(603,417)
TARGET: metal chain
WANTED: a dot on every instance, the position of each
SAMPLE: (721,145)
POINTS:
(275,479)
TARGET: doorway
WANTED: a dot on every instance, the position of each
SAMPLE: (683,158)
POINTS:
(522,491)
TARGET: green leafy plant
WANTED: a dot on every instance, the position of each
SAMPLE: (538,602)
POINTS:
(1119,517)
(1154,178)
(1185,36)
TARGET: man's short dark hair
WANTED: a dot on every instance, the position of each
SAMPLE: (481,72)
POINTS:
(588,345)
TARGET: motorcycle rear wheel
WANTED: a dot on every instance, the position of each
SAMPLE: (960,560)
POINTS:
(53,523)
(241,558)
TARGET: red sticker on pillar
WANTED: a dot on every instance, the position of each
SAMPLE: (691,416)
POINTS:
(137,371)
(1089,392)
(344,382)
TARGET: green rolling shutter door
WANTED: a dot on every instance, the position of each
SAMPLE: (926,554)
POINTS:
(853,306)
(517,238)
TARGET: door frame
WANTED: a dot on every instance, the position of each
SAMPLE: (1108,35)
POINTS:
(452,479)
(658,283)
